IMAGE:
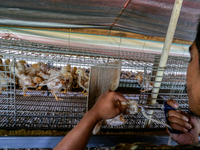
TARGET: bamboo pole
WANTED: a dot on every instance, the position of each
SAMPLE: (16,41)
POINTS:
(165,52)
(166,48)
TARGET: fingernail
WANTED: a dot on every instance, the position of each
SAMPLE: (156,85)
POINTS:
(186,119)
(185,130)
(176,105)
(189,126)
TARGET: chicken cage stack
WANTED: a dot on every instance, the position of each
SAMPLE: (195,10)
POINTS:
(38,108)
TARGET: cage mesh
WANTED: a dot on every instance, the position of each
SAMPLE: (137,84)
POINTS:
(41,110)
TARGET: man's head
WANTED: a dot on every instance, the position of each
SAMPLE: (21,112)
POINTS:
(193,75)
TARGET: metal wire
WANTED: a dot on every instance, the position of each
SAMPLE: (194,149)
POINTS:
(41,110)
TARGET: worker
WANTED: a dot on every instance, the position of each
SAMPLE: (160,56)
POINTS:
(106,108)
(189,123)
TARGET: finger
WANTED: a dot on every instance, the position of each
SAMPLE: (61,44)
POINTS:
(120,93)
(178,115)
(120,97)
(122,108)
(178,127)
(175,121)
(172,103)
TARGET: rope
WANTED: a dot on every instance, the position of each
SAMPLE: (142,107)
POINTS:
(159,122)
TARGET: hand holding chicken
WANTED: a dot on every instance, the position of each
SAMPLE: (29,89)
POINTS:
(105,108)
(113,101)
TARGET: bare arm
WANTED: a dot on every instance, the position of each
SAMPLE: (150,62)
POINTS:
(78,138)
(105,108)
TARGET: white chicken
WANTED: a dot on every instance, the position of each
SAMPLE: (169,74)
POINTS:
(83,80)
(58,80)
(55,85)
(3,82)
(27,81)
(18,68)
(7,63)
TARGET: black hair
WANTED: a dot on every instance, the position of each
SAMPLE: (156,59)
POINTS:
(197,40)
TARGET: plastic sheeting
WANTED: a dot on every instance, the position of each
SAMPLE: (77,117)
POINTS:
(91,41)
(149,17)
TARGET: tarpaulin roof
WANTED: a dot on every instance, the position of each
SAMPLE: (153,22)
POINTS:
(149,17)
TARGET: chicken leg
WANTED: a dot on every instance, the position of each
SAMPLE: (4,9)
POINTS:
(74,86)
(1,89)
(57,97)
(86,94)
(144,90)
(39,88)
(65,91)
(25,93)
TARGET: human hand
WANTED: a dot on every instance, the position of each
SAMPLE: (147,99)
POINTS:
(107,106)
(182,121)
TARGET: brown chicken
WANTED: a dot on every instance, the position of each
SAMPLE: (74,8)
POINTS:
(35,68)
(2,66)
(75,78)
(147,85)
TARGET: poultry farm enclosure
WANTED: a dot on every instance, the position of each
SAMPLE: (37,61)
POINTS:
(40,110)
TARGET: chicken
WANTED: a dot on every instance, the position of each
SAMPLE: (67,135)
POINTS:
(27,81)
(2,66)
(147,85)
(3,82)
(66,73)
(83,80)
(20,68)
(131,108)
(43,75)
(55,85)
(59,80)
(75,77)
(27,75)
(4,77)
(35,68)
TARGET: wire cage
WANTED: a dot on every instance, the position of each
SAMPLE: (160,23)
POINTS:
(40,110)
